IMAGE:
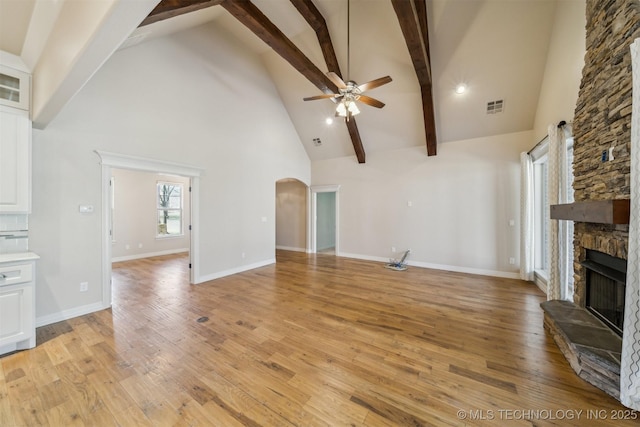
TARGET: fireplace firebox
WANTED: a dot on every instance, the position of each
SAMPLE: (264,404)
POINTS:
(606,281)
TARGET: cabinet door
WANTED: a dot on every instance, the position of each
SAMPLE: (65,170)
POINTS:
(16,316)
(14,88)
(15,165)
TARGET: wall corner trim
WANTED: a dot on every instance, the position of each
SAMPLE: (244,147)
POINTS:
(236,270)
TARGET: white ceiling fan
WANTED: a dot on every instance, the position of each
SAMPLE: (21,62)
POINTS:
(350,92)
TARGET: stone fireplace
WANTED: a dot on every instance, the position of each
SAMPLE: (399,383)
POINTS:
(602,123)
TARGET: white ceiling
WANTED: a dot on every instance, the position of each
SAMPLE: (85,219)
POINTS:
(498,48)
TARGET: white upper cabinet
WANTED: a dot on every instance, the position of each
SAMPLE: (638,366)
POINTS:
(15,160)
(14,88)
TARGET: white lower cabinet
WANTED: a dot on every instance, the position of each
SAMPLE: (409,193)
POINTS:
(17,305)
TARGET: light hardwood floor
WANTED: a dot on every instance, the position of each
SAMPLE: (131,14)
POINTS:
(310,341)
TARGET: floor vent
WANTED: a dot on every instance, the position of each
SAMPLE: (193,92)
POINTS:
(495,107)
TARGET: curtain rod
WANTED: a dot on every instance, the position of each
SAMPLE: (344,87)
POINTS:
(560,124)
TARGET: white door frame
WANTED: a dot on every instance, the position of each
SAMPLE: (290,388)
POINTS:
(123,161)
(313,215)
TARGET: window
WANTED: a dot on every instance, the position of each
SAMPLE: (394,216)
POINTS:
(541,208)
(169,206)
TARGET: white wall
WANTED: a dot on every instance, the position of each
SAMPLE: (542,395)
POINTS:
(135,216)
(563,72)
(183,99)
(462,201)
(291,215)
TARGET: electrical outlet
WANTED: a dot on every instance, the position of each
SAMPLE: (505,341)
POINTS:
(243,255)
(512,260)
(140,245)
(393,249)
(84,286)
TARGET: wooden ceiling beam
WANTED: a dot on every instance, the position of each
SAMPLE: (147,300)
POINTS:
(412,16)
(314,18)
(169,8)
(252,18)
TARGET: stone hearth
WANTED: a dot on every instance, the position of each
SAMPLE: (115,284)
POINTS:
(590,347)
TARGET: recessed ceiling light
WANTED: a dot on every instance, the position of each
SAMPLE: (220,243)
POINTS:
(461,88)
(329,120)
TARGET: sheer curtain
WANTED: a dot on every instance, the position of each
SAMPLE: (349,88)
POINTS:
(526,217)
(630,359)
(559,231)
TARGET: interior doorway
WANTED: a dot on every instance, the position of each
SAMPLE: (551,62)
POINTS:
(326,223)
(291,215)
(110,161)
(150,214)
(324,219)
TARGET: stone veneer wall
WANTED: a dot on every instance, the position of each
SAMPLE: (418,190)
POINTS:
(602,120)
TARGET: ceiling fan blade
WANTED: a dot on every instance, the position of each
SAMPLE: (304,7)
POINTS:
(370,101)
(336,80)
(374,83)
(313,98)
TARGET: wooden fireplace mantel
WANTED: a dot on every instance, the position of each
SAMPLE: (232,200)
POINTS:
(595,211)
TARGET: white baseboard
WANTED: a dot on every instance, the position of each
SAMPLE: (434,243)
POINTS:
(69,314)
(236,270)
(149,254)
(454,268)
(290,248)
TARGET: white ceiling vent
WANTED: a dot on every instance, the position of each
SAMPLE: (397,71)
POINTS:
(495,107)
(317,142)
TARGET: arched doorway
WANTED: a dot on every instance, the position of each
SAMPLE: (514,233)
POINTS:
(291,215)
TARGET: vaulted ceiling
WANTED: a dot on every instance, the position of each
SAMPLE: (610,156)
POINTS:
(498,48)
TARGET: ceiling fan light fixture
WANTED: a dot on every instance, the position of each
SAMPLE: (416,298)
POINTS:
(350,92)
(353,108)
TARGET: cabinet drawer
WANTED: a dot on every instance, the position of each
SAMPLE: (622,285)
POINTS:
(14,274)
